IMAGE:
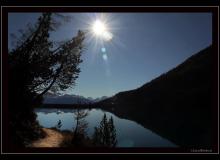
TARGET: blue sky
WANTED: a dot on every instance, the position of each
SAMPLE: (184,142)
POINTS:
(144,46)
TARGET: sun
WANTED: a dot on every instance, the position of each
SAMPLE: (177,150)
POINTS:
(100,29)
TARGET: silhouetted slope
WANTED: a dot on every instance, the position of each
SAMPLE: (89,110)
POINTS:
(176,105)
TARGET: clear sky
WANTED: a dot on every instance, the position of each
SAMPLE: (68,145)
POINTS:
(143,46)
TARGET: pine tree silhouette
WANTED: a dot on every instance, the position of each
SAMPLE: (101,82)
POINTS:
(105,134)
(112,131)
(39,64)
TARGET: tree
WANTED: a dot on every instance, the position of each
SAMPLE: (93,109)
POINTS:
(112,132)
(59,124)
(38,65)
(79,132)
(105,134)
(45,67)
(104,131)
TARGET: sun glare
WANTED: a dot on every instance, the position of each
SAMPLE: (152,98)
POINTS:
(100,29)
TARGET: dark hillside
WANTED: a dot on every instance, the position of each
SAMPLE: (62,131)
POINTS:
(177,105)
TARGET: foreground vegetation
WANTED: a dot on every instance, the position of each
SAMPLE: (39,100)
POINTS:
(37,64)
(104,135)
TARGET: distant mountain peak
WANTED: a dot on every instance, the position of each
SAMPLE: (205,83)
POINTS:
(54,98)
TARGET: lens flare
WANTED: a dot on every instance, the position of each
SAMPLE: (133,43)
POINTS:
(103,49)
(105,57)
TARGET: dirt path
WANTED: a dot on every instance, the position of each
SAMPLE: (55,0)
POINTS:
(53,139)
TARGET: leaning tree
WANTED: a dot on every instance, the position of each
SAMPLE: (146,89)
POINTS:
(37,65)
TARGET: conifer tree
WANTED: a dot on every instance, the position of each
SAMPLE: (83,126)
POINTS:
(112,132)
(104,131)
(37,65)
(105,134)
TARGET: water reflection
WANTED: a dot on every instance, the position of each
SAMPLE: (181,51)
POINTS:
(129,133)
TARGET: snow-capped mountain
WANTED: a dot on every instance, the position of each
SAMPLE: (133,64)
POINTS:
(100,99)
(51,98)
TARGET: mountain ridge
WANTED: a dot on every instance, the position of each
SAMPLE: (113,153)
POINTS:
(52,98)
(177,104)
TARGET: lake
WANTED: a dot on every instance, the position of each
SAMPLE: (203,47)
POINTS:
(129,133)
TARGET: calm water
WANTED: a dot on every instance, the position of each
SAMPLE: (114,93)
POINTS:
(129,133)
